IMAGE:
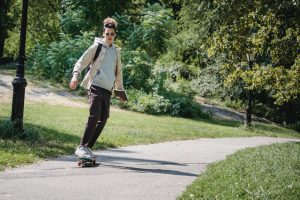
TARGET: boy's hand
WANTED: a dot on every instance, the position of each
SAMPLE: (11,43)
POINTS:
(73,84)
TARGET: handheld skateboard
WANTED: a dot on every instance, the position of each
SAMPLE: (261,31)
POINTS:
(86,162)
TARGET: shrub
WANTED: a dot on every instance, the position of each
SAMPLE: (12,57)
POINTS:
(175,102)
(56,61)
(137,66)
(182,100)
(151,103)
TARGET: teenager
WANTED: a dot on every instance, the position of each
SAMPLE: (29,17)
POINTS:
(105,74)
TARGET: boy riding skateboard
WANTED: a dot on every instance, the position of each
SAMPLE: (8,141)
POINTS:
(105,73)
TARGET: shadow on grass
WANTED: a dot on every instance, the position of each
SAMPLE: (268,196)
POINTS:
(273,128)
(229,123)
(258,127)
(39,141)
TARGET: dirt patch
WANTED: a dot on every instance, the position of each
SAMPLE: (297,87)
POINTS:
(219,112)
(46,94)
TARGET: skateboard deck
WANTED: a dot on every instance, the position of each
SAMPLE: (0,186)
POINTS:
(86,162)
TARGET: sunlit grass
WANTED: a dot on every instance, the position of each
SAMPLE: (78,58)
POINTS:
(268,172)
(56,130)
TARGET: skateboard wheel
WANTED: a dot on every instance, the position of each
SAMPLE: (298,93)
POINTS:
(80,162)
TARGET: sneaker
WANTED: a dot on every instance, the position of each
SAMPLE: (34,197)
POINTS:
(90,153)
(81,151)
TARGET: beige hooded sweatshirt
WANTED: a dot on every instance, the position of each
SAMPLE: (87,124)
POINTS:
(85,60)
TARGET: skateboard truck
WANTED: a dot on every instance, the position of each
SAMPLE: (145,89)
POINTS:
(86,162)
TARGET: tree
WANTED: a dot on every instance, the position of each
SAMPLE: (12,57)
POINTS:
(143,41)
(269,31)
(43,24)
(86,15)
(156,25)
(219,32)
(6,23)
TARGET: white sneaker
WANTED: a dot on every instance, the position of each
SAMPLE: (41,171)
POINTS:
(81,151)
(90,153)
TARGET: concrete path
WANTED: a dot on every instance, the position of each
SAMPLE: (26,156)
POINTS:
(157,171)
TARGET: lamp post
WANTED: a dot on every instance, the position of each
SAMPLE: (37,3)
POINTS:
(19,83)
(250,59)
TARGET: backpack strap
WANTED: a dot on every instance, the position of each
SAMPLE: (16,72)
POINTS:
(99,47)
(116,71)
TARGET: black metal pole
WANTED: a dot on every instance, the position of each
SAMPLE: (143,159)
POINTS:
(19,83)
(250,100)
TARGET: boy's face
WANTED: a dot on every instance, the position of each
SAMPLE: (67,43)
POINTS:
(109,35)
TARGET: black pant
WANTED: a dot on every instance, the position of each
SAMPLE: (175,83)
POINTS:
(99,100)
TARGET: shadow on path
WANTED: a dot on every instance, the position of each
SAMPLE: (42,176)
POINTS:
(156,171)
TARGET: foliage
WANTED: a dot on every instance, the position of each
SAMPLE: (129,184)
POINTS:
(158,95)
(88,15)
(143,42)
(43,24)
(270,32)
(176,101)
(73,22)
(208,84)
(217,35)
(148,32)
(147,103)
(6,22)
(204,42)
(12,15)
(183,104)
(136,68)
(156,26)
(56,61)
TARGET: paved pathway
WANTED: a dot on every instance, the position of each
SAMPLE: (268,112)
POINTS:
(156,171)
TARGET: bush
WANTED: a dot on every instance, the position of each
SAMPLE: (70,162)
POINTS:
(137,66)
(57,60)
(175,102)
(151,103)
(181,97)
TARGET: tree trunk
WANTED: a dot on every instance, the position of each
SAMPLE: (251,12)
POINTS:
(249,109)
(289,113)
(3,29)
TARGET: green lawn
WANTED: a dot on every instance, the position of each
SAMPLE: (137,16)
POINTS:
(267,172)
(56,130)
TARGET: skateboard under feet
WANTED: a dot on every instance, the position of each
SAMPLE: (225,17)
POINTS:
(87,162)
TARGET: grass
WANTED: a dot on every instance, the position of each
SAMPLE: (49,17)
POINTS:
(56,130)
(267,172)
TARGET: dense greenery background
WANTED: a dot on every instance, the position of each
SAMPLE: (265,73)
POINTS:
(174,50)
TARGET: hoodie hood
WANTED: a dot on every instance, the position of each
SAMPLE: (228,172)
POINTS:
(101,41)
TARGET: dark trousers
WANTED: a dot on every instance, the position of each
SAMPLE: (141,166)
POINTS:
(99,100)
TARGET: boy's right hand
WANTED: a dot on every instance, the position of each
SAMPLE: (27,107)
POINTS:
(73,84)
